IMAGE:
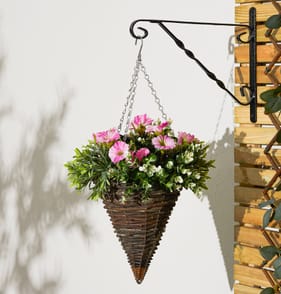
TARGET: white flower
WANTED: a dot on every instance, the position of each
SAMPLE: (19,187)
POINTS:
(192,185)
(184,171)
(148,186)
(198,192)
(169,164)
(142,168)
(179,179)
(197,176)
(158,169)
(178,187)
(188,157)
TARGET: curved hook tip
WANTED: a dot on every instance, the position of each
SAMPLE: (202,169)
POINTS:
(136,36)
(238,38)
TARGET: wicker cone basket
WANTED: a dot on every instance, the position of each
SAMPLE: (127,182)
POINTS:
(139,225)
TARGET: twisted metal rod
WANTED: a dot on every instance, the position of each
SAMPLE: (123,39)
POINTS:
(252,88)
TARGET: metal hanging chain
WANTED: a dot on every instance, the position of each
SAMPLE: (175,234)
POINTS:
(130,97)
(153,92)
(128,107)
(132,100)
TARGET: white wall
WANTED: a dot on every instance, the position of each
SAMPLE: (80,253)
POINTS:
(65,72)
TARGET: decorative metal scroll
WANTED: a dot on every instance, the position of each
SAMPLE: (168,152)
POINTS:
(252,87)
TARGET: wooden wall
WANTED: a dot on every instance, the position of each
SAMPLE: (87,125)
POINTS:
(253,168)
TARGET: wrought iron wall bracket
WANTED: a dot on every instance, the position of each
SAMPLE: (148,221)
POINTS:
(251,86)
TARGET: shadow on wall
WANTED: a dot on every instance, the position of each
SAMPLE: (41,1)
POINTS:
(221,186)
(29,210)
(221,199)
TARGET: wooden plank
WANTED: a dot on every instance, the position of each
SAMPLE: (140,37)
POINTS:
(254,237)
(260,89)
(248,215)
(242,115)
(261,30)
(264,10)
(242,75)
(250,195)
(242,289)
(251,279)
(248,255)
(255,156)
(251,135)
(247,1)
(250,276)
(265,53)
(253,176)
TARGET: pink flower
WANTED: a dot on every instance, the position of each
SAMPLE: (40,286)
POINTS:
(107,136)
(185,138)
(157,129)
(141,120)
(118,151)
(163,142)
(151,129)
(164,124)
(141,153)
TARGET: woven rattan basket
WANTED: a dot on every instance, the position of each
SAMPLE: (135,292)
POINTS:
(139,225)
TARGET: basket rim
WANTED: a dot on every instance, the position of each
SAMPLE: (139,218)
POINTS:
(117,193)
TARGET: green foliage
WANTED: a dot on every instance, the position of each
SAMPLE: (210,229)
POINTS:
(278,139)
(265,203)
(268,252)
(274,21)
(273,100)
(268,290)
(92,168)
(267,218)
(273,213)
(181,166)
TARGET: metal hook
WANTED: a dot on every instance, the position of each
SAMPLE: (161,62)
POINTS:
(144,31)
(140,50)
(238,38)
(252,31)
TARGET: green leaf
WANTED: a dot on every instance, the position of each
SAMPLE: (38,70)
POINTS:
(268,290)
(267,217)
(278,139)
(277,272)
(274,21)
(277,263)
(273,100)
(77,152)
(268,94)
(268,202)
(268,252)
(273,105)
(278,187)
(277,215)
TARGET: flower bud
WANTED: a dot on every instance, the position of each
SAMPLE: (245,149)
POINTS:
(169,164)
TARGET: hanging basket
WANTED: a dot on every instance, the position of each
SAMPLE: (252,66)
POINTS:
(139,225)
(144,155)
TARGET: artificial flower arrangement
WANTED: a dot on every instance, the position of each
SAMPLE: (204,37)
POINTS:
(149,156)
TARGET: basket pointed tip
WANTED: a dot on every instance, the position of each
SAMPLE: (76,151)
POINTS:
(139,273)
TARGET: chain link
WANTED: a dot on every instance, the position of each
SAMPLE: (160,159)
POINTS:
(130,97)
(128,107)
(132,100)
(153,92)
